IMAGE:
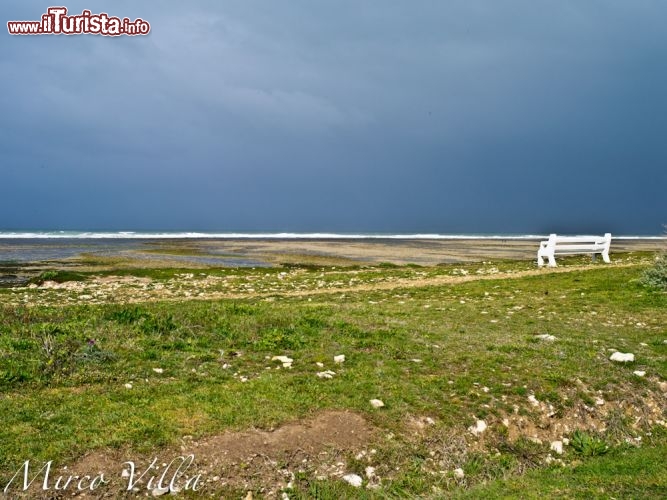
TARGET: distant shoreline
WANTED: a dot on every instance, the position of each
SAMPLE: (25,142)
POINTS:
(158,235)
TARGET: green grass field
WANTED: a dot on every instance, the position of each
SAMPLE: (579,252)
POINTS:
(128,368)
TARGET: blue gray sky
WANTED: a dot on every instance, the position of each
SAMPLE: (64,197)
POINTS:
(309,115)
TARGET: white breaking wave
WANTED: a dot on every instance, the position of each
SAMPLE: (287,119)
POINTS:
(334,236)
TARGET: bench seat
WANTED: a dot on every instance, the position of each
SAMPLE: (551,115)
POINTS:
(573,245)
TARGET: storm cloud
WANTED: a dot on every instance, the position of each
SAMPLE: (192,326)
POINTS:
(430,116)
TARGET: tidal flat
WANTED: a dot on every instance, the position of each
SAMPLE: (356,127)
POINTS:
(495,377)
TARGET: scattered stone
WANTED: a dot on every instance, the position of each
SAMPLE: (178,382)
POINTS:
(158,492)
(639,373)
(622,357)
(599,401)
(286,361)
(125,473)
(376,403)
(416,360)
(547,337)
(339,359)
(566,441)
(533,400)
(557,446)
(353,480)
(249,496)
(459,474)
(319,365)
(370,472)
(326,374)
(158,370)
(479,427)
(128,386)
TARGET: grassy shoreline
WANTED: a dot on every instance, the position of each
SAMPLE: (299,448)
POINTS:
(441,346)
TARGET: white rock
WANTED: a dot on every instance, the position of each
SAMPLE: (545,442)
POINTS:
(282,359)
(599,401)
(533,400)
(339,359)
(158,370)
(370,472)
(319,365)
(566,441)
(125,473)
(622,357)
(128,386)
(459,474)
(376,403)
(547,337)
(286,361)
(326,374)
(639,373)
(353,480)
(479,427)
(557,446)
(158,492)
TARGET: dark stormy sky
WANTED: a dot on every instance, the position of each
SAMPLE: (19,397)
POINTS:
(341,115)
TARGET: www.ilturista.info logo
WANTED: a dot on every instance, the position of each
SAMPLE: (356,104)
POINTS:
(57,22)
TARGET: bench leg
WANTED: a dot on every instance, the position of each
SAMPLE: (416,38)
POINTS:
(605,257)
(540,260)
(552,261)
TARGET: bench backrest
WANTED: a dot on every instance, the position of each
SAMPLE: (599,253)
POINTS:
(578,243)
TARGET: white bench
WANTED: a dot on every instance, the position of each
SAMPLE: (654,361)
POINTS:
(571,245)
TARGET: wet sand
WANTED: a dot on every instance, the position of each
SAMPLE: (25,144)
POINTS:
(254,252)
(374,251)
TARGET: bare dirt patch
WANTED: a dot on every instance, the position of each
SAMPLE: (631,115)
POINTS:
(257,460)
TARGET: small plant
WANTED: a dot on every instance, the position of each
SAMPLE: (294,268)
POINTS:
(127,315)
(91,353)
(656,276)
(157,324)
(281,339)
(588,446)
(58,351)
